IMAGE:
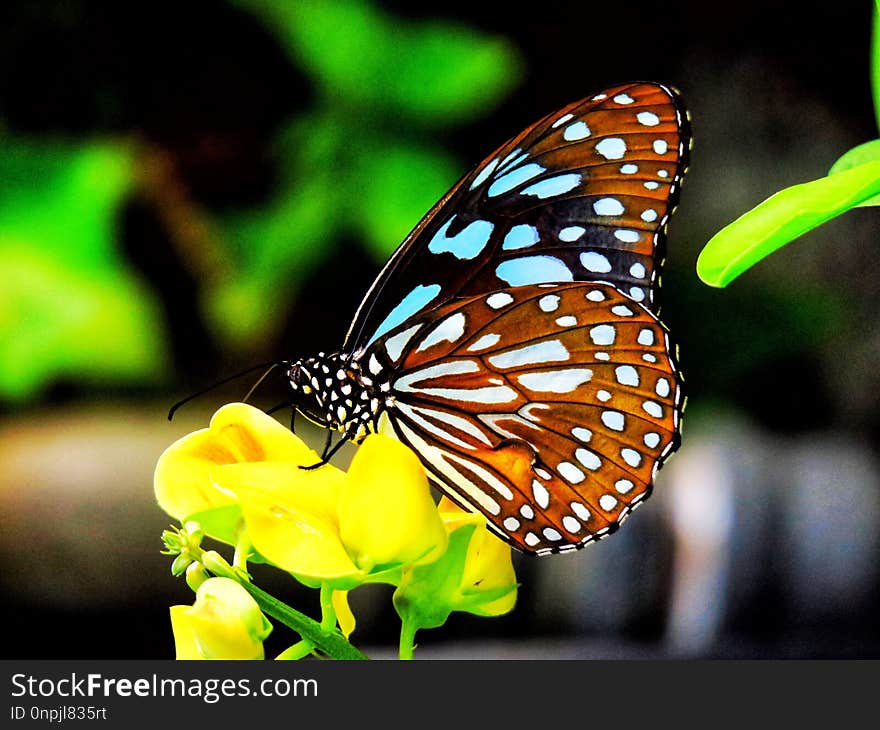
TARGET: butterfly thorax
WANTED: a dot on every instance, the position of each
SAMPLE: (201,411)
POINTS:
(331,391)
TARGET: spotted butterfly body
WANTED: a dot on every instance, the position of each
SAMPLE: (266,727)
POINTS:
(512,340)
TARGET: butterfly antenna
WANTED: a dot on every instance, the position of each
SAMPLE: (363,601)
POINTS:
(261,379)
(208,389)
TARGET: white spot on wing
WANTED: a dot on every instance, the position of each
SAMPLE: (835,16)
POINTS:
(539,352)
(449,330)
(653,409)
(484,342)
(588,459)
(649,119)
(570,234)
(611,148)
(613,420)
(595,262)
(608,206)
(540,493)
(631,457)
(395,345)
(555,381)
(602,334)
(627,235)
(549,303)
(607,502)
(570,472)
(627,375)
(562,120)
(576,131)
(499,299)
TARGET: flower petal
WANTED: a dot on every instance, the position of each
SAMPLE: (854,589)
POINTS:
(238,433)
(290,517)
(386,514)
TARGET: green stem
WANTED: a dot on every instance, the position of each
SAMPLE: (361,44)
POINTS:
(328,613)
(242,551)
(329,640)
(407,638)
(332,643)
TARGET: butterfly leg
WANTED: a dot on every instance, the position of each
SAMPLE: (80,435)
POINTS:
(327,452)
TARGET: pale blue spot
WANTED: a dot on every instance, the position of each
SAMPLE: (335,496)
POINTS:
(629,169)
(487,170)
(533,270)
(562,120)
(571,233)
(595,262)
(608,206)
(611,148)
(513,163)
(513,178)
(649,119)
(576,131)
(509,157)
(411,304)
(466,244)
(660,146)
(553,186)
(626,235)
(520,236)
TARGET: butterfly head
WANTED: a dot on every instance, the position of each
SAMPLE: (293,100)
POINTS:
(328,392)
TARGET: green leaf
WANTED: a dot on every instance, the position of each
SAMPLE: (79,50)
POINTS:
(782,218)
(875,61)
(867,152)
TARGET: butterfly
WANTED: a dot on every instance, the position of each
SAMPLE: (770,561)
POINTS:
(513,340)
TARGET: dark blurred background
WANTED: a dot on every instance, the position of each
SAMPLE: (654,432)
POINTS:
(187,189)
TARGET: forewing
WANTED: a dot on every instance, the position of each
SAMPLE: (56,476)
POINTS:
(584,194)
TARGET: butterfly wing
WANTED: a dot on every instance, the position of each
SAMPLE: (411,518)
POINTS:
(548,408)
(584,194)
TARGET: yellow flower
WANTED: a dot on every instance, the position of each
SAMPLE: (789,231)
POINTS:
(223,623)
(324,526)
(475,575)
(387,517)
(488,567)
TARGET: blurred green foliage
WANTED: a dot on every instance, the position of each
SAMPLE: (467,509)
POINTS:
(355,165)
(69,306)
